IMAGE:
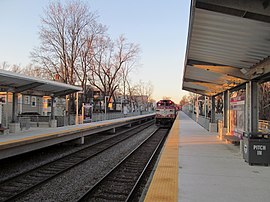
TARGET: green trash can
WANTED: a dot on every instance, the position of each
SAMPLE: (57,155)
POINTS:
(256,148)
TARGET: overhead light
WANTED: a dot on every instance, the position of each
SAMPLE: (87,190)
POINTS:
(258,72)
(244,70)
(228,82)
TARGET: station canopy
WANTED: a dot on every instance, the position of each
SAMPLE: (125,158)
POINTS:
(18,83)
(227,42)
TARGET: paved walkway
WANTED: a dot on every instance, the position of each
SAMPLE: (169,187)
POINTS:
(211,170)
(33,132)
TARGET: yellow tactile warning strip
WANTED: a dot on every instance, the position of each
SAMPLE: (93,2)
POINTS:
(164,185)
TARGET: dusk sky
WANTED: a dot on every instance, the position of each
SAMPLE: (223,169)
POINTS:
(159,27)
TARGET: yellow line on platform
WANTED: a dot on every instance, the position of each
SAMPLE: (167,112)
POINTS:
(164,185)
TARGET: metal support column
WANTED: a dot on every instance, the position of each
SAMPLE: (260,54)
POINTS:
(193,106)
(247,108)
(0,114)
(213,107)
(205,107)
(253,106)
(14,107)
(52,108)
(225,108)
(197,108)
(77,109)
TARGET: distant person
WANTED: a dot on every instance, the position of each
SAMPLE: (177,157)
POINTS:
(209,114)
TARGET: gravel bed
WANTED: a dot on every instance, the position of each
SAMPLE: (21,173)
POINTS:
(70,186)
(18,164)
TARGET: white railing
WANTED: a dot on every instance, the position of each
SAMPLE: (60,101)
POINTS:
(114,115)
(264,126)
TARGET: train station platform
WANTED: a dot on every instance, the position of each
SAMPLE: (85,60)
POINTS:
(195,166)
(36,138)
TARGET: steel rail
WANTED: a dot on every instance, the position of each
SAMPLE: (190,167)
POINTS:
(93,193)
(23,183)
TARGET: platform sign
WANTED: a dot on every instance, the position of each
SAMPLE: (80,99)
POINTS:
(88,111)
(3,99)
(237,114)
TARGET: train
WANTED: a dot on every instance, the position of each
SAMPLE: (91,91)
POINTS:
(166,112)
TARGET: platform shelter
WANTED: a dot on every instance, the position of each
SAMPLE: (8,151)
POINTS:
(14,87)
(227,58)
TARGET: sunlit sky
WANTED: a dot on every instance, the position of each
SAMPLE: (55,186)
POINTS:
(159,27)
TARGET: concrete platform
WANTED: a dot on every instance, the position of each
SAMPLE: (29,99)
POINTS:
(209,169)
(36,138)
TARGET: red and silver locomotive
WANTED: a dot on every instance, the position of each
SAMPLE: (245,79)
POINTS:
(165,112)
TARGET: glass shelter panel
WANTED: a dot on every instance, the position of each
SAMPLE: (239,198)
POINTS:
(237,112)
(264,107)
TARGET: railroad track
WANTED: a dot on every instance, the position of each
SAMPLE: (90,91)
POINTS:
(120,183)
(15,187)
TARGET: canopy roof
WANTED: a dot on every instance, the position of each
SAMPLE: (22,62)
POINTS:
(227,42)
(18,83)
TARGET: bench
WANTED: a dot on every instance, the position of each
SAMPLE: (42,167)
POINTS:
(232,138)
(4,131)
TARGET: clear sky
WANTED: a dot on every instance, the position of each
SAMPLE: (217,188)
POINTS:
(159,27)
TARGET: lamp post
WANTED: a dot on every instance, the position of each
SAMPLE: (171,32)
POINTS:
(67,122)
(106,106)
(77,109)
(121,105)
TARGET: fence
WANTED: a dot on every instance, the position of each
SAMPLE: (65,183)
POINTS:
(27,121)
(202,120)
(264,126)
(115,115)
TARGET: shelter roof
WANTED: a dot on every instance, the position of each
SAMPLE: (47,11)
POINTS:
(18,83)
(227,43)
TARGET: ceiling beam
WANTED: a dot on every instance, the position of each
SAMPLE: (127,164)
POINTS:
(229,49)
(27,87)
(216,59)
(62,93)
(243,13)
(225,70)
(200,62)
(201,81)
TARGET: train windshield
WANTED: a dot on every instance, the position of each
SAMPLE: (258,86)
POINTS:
(165,103)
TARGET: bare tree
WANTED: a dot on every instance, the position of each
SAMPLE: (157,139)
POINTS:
(36,71)
(29,70)
(166,98)
(13,68)
(4,65)
(192,97)
(86,58)
(62,35)
(125,71)
(75,50)
(184,100)
(110,58)
(144,91)
(132,93)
